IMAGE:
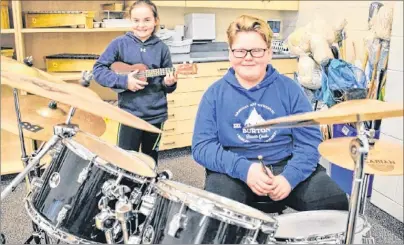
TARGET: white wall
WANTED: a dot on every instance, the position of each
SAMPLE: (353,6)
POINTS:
(388,191)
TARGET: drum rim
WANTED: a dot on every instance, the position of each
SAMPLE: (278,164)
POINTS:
(81,151)
(49,228)
(213,208)
(362,224)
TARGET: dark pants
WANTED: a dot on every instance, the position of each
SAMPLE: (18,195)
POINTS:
(131,138)
(318,192)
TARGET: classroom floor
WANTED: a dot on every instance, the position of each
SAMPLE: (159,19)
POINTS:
(16,225)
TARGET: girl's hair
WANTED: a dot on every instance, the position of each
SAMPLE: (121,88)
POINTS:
(152,7)
(246,23)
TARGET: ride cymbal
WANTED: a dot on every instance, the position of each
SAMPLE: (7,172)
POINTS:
(74,95)
(115,155)
(384,158)
(39,116)
(346,112)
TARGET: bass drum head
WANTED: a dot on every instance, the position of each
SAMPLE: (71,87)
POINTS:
(313,223)
(196,198)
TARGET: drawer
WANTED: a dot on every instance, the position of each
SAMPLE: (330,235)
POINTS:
(195,84)
(175,141)
(182,113)
(178,127)
(184,99)
(210,69)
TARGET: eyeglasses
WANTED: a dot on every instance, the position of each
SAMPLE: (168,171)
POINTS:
(256,52)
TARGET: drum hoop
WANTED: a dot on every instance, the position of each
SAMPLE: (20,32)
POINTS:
(86,154)
(49,228)
(361,226)
(212,209)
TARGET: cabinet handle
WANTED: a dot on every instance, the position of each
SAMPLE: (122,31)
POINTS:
(222,69)
(169,143)
(171,101)
(169,129)
(171,115)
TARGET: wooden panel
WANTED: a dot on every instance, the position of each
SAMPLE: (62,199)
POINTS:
(178,127)
(160,3)
(249,4)
(184,99)
(182,113)
(195,84)
(285,65)
(282,5)
(175,141)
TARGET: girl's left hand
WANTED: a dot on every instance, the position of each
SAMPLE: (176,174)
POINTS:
(170,79)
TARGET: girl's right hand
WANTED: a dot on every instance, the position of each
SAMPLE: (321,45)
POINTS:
(135,84)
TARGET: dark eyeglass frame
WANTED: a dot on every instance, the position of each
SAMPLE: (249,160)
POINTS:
(263,50)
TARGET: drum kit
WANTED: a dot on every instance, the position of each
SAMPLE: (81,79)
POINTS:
(92,191)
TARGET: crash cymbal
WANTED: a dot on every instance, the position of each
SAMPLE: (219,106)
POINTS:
(115,155)
(346,112)
(11,65)
(385,158)
(38,117)
(73,95)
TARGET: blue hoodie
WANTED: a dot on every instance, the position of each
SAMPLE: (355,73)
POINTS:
(149,103)
(222,144)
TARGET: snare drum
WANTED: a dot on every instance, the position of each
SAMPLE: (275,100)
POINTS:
(66,200)
(317,227)
(186,215)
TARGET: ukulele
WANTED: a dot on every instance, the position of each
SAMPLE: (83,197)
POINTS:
(144,73)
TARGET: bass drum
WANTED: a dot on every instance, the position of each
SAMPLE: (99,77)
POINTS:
(67,199)
(317,227)
(186,215)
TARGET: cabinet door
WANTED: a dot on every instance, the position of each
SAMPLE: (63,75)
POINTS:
(169,3)
(282,5)
(249,4)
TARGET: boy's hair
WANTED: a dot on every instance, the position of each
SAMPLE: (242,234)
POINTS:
(246,23)
(153,9)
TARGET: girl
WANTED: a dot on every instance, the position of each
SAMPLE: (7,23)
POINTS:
(146,100)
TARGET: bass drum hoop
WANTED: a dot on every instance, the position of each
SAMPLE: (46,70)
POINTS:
(50,229)
(86,154)
(210,208)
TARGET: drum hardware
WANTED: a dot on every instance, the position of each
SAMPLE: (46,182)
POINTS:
(178,222)
(251,239)
(106,220)
(62,215)
(147,205)
(123,212)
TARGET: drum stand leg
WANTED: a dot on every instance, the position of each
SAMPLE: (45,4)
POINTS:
(359,148)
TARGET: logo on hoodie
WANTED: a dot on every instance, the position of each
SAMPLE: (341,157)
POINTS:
(253,134)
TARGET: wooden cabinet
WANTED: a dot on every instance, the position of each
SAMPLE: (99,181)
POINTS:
(249,4)
(169,3)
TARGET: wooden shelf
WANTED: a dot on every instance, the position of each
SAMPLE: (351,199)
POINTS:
(58,30)
(7,31)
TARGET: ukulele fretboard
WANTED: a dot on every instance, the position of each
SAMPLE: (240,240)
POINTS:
(158,72)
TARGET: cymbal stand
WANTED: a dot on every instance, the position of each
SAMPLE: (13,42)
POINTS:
(359,148)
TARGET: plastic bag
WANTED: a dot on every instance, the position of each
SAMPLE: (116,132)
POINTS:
(338,78)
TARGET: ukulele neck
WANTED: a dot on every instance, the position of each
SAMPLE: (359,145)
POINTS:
(158,72)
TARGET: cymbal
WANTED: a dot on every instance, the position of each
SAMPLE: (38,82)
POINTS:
(346,112)
(38,118)
(115,155)
(11,65)
(385,158)
(74,96)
